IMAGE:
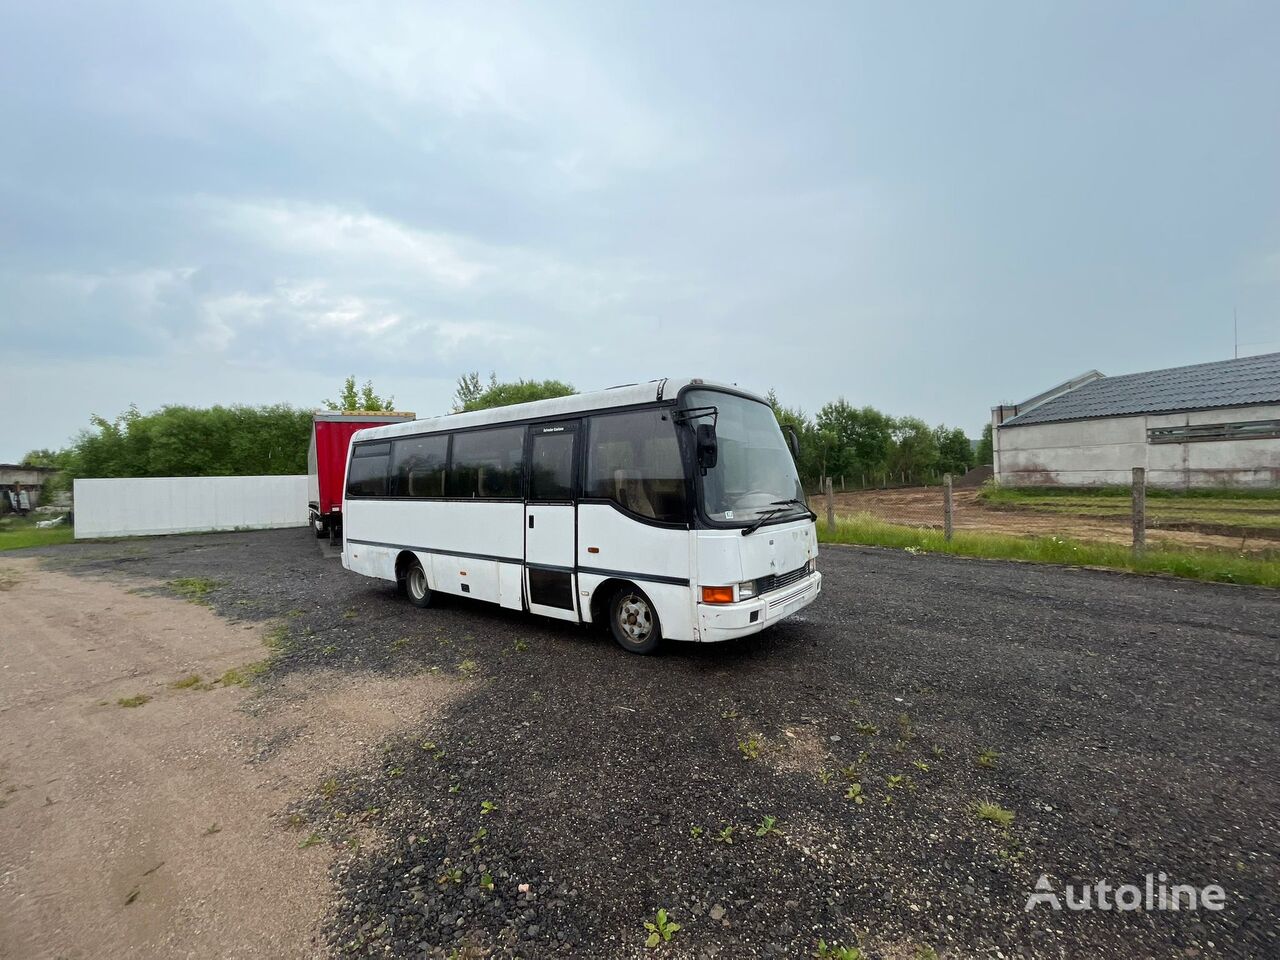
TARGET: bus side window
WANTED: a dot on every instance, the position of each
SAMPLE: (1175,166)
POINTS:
(487,463)
(418,466)
(634,460)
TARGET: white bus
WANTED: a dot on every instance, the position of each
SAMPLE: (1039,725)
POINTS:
(669,509)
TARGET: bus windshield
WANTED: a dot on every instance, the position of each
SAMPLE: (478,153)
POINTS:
(755,473)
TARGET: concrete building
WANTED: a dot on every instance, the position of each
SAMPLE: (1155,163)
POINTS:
(21,486)
(1208,425)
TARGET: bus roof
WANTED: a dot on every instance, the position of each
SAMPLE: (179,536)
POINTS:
(631,394)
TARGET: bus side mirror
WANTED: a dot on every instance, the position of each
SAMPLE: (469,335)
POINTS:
(793,439)
(708,447)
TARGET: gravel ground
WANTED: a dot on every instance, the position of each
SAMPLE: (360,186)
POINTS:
(572,790)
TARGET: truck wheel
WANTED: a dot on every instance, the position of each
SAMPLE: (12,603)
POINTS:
(415,584)
(634,621)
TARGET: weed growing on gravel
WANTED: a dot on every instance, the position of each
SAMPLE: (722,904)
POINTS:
(212,829)
(137,700)
(396,771)
(854,792)
(487,807)
(987,758)
(749,748)
(455,787)
(195,589)
(920,765)
(486,882)
(241,676)
(329,789)
(835,951)
(187,682)
(522,646)
(398,645)
(478,838)
(866,727)
(768,828)
(314,840)
(925,952)
(824,777)
(894,780)
(905,730)
(938,752)
(993,813)
(467,667)
(328,650)
(349,613)
(729,714)
(725,836)
(695,832)
(661,930)
(450,875)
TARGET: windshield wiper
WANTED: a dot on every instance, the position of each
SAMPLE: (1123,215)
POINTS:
(799,503)
(758,521)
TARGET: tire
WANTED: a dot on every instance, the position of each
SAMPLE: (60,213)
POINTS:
(415,584)
(634,621)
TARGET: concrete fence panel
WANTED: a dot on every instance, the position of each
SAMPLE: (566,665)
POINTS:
(146,506)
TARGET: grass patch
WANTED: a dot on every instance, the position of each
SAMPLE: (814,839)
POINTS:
(137,700)
(186,683)
(20,534)
(1248,509)
(993,813)
(195,589)
(1216,566)
(243,676)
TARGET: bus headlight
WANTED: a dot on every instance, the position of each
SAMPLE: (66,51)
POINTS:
(746,589)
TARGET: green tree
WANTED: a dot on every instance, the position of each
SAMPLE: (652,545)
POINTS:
(359,399)
(985,454)
(180,441)
(914,455)
(955,452)
(471,394)
(809,462)
(857,441)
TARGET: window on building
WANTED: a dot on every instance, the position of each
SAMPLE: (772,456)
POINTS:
(634,460)
(1239,430)
(367,474)
(487,463)
(418,466)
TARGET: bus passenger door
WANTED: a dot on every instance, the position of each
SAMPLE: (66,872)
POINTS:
(549,520)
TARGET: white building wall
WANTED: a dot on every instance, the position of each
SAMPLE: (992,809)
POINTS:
(147,506)
(1105,451)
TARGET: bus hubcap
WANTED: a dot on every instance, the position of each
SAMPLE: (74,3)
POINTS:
(635,618)
(417,582)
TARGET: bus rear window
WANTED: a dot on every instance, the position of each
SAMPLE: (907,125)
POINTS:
(367,475)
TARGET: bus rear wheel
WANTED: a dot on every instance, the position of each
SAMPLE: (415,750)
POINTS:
(415,584)
(634,621)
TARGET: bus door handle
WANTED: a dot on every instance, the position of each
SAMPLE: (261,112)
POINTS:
(531,521)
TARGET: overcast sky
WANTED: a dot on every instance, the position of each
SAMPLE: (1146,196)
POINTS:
(931,208)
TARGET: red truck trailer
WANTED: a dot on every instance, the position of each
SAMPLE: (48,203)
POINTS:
(327,463)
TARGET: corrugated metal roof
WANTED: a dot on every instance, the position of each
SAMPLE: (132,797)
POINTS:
(1223,383)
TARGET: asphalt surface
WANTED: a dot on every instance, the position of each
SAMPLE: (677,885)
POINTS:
(1129,724)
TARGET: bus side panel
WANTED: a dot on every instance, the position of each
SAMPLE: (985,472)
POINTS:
(449,536)
(629,549)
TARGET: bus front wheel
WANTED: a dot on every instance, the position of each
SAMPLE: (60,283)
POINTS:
(415,585)
(634,621)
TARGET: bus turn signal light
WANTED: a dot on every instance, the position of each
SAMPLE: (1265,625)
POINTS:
(717,594)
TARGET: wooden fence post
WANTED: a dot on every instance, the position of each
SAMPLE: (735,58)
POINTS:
(1139,509)
(946,504)
(831,508)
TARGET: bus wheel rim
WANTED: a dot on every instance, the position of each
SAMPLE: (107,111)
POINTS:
(635,618)
(417,582)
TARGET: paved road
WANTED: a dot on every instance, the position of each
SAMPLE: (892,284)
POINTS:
(1131,728)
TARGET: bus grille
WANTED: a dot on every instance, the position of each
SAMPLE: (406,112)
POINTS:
(776,581)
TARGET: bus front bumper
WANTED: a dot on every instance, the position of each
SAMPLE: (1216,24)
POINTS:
(726,621)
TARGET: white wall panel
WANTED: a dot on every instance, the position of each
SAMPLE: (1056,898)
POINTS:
(147,506)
